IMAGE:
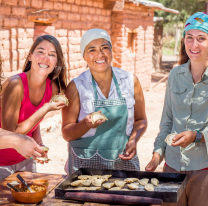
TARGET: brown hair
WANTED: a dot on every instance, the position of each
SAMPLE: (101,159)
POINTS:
(183,57)
(59,72)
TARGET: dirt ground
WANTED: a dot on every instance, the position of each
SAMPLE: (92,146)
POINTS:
(154,98)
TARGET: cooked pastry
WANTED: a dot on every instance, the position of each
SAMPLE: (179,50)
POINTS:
(169,139)
(131,180)
(98,182)
(119,183)
(105,176)
(42,159)
(155,181)
(93,188)
(84,177)
(44,148)
(86,182)
(108,185)
(76,183)
(149,187)
(60,98)
(95,116)
(115,188)
(80,188)
(143,181)
(133,186)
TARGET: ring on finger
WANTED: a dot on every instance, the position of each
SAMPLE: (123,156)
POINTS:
(31,157)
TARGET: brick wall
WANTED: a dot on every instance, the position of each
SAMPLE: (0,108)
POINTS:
(74,18)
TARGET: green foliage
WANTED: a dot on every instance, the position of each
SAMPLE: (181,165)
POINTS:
(185,7)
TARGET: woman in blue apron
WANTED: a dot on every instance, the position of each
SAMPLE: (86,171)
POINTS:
(106,144)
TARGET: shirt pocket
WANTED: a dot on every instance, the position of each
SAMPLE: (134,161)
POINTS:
(178,94)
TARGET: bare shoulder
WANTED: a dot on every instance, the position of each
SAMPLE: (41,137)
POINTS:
(71,90)
(137,85)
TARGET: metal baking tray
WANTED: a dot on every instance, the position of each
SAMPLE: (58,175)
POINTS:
(170,189)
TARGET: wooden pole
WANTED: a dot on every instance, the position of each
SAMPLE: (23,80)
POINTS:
(206,7)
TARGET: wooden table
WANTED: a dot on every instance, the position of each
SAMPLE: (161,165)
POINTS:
(54,179)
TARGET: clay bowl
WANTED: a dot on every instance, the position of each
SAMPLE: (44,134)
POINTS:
(41,182)
(28,197)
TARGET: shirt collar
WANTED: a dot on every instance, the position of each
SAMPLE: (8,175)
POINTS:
(185,68)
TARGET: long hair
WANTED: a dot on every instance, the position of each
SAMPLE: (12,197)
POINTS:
(58,75)
(183,57)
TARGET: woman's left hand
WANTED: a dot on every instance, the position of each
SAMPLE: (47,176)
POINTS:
(130,150)
(184,139)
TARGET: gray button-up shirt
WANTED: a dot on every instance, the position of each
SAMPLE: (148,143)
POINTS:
(185,108)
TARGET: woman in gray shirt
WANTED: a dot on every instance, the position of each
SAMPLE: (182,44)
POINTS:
(185,112)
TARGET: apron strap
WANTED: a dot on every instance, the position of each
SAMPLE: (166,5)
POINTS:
(116,83)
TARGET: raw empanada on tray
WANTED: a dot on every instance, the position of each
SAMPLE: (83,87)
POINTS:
(86,182)
(80,188)
(155,181)
(131,180)
(98,182)
(84,177)
(119,183)
(115,188)
(105,176)
(93,188)
(149,187)
(143,181)
(108,185)
(133,186)
(76,183)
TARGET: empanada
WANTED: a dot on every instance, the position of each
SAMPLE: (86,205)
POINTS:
(115,188)
(149,187)
(95,116)
(86,182)
(131,180)
(119,183)
(143,181)
(108,185)
(169,139)
(133,186)
(105,176)
(76,183)
(155,181)
(98,182)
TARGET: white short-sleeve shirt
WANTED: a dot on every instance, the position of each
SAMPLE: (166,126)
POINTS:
(86,94)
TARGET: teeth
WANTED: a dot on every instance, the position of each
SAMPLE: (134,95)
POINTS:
(99,62)
(43,66)
(195,52)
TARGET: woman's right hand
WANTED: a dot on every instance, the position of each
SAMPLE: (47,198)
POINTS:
(52,106)
(155,161)
(89,123)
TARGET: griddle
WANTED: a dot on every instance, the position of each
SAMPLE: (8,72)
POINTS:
(170,189)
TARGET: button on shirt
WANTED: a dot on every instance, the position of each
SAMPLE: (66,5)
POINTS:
(185,109)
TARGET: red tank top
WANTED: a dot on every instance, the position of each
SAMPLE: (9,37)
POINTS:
(11,156)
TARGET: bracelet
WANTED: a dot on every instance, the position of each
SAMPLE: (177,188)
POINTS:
(198,136)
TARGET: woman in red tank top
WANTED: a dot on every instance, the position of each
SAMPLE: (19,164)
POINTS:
(25,99)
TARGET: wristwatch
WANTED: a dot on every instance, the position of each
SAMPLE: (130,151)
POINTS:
(198,136)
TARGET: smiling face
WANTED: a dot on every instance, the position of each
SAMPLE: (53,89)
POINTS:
(98,55)
(196,44)
(44,58)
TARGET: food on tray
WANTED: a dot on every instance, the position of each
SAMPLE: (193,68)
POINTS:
(76,183)
(80,188)
(84,177)
(98,182)
(60,98)
(42,159)
(119,183)
(86,182)
(95,116)
(108,185)
(93,188)
(155,181)
(169,139)
(143,181)
(34,188)
(115,188)
(149,187)
(133,186)
(131,180)
(105,176)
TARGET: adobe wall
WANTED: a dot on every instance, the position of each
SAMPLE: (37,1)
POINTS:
(74,18)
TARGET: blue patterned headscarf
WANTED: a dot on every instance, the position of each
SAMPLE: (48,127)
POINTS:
(197,21)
